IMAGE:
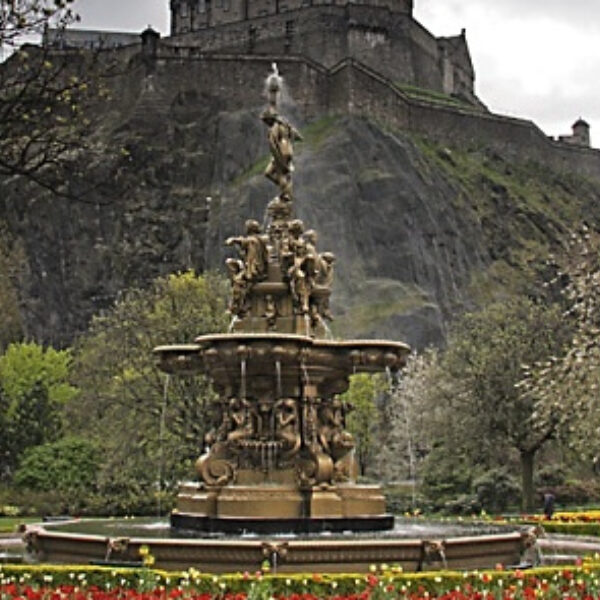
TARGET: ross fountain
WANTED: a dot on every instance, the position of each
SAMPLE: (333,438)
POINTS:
(279,462)
(279,457)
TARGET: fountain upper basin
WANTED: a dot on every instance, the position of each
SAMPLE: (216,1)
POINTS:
(227,358)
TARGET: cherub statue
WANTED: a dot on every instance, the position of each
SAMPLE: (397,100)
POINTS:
(239,286)
(325,272)
(253,250)
(287,426)
(334,439)
(242,426)
(324,278)
(299,271)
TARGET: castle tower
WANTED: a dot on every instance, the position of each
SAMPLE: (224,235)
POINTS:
(581,132)
(580,135)
(195,15)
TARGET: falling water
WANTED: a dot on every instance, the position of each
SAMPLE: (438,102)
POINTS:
(390,378)
(243,379)
(232,324)
(270,456)
(305,373)
(263,457)
(408,433)
(328,333)
(278,372)
(161,435)
(274,562)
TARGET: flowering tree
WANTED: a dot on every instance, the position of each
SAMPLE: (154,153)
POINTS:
(406,418)
(565,387)
(482,414)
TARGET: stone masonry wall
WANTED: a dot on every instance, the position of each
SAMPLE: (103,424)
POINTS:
(353,88)
(388,41)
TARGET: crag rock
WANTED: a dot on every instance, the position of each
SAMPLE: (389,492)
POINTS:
(412,225)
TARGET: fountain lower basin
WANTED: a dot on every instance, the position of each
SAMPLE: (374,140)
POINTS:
(433,546)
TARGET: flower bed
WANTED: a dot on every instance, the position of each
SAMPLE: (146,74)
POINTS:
(588,516)
(97,583)
(569,522)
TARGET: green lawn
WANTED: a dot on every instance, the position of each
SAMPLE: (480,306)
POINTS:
(10,524)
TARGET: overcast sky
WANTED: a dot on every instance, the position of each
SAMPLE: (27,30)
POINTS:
(535,59)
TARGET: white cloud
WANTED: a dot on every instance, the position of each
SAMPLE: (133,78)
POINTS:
(124,15)
(535,59)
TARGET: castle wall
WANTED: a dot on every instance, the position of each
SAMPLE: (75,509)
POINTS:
(353,88)
(424,56)
(517,139)
(386,41)
(191,15)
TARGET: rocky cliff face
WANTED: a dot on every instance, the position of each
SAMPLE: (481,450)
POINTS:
(413,225)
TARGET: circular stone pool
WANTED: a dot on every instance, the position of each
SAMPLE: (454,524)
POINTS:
(413,544)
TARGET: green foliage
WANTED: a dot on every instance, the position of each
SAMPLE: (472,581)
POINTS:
(362,420)
(496,490)
(446,474)
(481,415)
(150,428)
(33,391)
(586,529)
(550,476)
(385,582)
(68,465)
(25,365)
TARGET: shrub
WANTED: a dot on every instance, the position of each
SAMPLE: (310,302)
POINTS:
(550,476)
(68,465)
(495,490)
(465,504)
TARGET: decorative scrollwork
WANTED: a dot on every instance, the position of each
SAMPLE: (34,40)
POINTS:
(215,468)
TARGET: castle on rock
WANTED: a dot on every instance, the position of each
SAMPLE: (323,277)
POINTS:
(382,34)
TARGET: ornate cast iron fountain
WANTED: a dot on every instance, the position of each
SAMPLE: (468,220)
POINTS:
(279,457)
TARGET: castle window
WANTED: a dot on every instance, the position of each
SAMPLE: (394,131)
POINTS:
(201,6)
(289,28)
(226,4)
(184,10)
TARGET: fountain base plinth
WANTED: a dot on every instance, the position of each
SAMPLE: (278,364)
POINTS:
(272,508)
(273,525)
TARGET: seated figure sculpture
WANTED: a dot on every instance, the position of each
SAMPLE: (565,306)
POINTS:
(250,268)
